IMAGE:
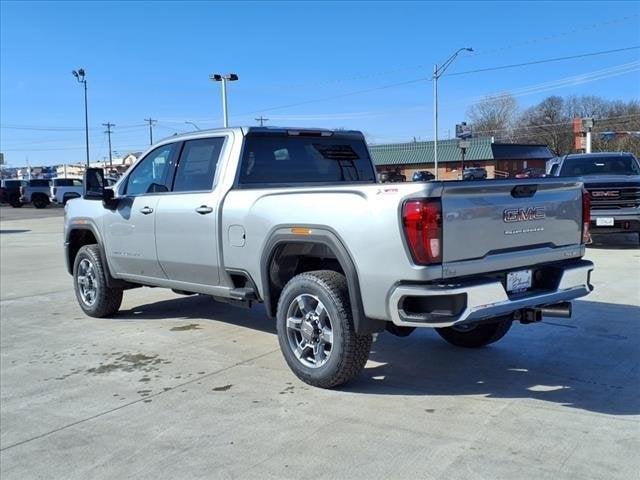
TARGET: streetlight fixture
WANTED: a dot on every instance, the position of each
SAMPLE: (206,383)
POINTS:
(437,73)
(194,125)
(80,77)
(229,77)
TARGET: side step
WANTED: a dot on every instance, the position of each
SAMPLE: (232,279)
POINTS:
(244,294)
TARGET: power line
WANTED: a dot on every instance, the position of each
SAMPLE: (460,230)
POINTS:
(547,60)
(425,79)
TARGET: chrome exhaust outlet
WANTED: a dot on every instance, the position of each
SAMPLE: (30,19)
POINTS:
(560,310)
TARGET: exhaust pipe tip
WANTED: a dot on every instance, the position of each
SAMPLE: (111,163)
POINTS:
(558,310)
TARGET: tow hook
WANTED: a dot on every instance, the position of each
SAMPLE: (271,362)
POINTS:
(532,315)
(527,315)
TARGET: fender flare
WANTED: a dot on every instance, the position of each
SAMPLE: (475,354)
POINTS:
(87,224)
(326,237)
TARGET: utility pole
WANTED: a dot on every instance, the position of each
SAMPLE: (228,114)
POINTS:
(261,119)
(150,121)
(108,132)
(437,73)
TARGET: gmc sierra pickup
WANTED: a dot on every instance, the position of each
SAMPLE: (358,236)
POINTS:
(613,182)
(295,219)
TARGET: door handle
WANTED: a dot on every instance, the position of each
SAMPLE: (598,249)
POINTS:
(203,209)
(146,210)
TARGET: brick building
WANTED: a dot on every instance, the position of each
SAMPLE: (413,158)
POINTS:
(499,159)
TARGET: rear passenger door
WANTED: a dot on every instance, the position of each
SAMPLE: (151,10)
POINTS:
(188,217)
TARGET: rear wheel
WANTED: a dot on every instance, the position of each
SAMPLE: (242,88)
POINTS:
(40,201)
(94,296)
(15,201)
(316,330)
(476,335)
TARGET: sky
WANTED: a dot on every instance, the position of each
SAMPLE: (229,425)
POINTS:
(358,65)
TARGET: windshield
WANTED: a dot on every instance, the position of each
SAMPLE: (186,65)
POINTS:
(605,165)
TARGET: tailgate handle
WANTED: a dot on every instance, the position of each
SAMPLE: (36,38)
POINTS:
(524,191)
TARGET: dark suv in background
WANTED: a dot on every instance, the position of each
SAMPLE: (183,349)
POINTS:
(613,182)
(10,192)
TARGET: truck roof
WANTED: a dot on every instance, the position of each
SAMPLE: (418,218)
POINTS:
(598,154)
(294,131)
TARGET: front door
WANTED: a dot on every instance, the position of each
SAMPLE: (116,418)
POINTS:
(130,229)
(188,217)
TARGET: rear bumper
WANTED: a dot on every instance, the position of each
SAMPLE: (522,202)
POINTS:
(480,300)
(623,222)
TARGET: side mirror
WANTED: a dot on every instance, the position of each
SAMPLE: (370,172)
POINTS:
(93,184)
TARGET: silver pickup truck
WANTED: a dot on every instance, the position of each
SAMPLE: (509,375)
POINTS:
(294,219)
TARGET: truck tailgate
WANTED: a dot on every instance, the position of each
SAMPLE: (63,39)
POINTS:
(500,216)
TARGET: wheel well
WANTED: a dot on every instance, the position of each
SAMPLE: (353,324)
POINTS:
(292,258)
(78,238)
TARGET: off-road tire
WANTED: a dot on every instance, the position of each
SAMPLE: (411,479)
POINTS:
(15,202)
(108,300)
(349,352)
(40,201)
(480,335)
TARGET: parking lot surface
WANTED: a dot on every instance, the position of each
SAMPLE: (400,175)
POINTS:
(184,387)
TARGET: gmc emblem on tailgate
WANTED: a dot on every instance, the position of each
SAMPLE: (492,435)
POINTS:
(528,214)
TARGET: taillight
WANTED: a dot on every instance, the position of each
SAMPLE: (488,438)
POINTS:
(422,222)
(21,190)
(586,216)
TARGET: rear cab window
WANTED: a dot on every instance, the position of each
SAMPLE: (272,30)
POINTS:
(276,159)
(39,183)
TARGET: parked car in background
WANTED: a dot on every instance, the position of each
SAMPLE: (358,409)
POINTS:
(36,191)
(391,177)
(10,192)
(613,182)
(474,173)
(423,176)
(64,189)
(531,173)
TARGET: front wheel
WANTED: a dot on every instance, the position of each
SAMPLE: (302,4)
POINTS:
(316,330)
(94,296)
(476,335)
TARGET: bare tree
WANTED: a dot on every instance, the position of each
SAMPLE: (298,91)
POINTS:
(494,116)
(548,123)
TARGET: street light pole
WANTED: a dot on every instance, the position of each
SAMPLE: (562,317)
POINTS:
(80,77)
(437,73)
(229,77)
(194,125)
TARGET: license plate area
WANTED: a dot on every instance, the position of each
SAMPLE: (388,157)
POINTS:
(604,222)
(519,281)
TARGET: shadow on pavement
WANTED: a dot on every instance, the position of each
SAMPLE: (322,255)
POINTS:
(201,307)
(590,362)
(616,241)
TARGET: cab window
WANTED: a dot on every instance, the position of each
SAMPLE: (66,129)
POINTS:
(197,166)
(152,174)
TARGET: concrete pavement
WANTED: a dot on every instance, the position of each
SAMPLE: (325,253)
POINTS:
(184,387)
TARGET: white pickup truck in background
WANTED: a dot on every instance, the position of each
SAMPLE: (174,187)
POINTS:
(64,189)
